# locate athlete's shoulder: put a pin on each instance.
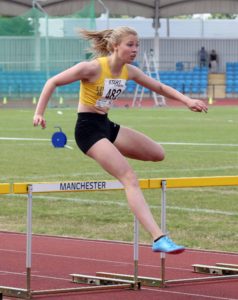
(89, 68)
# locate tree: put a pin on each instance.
(223, 16)
(15, 27)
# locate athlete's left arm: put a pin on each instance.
(154, 85)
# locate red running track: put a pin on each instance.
(54, 258)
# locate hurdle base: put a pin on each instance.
(215, 270)
(201, 279)
(15, 292)
(146, 281)
(80, 289)
(221, 271)
(225, 265)
(105, 281)
(95, 282)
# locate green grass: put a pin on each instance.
(204, 218)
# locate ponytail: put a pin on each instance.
(100, 41)
(103, 41)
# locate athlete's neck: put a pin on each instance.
(115, 65)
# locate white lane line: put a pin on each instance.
(32, 139)
(199, 144)
(22, 139)
(124, 204)
(124, 263)
(138, 171)
(115, 242)
(199, 296)
(163, 143)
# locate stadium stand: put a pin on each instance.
(188, 82)
(29, 83)
(231, 78)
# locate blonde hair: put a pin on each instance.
(103, 41)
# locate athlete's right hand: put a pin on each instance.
(39, 120)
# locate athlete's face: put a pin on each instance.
(128, 48)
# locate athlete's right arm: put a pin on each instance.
(81, 71)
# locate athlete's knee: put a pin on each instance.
(158, 155)
(129, 178)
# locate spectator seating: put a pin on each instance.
(188, 82)
(231, 78)
(29, 83)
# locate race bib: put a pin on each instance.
(112, 90)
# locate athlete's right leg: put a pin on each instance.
(112, 161)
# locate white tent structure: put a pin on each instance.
(145, 8)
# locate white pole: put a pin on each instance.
(47, 52)
(106, 12)
(29, 238)
(163, 228)
(156, 38)
(136, 249)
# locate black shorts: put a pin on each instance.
(92, 127)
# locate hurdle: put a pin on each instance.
(102, 280)
(5, 188)
(186, 182)
(94, 282)
(191, 182)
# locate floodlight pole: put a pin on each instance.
(106, 11)
(37, 39)
(156, 38)
(34, 5)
